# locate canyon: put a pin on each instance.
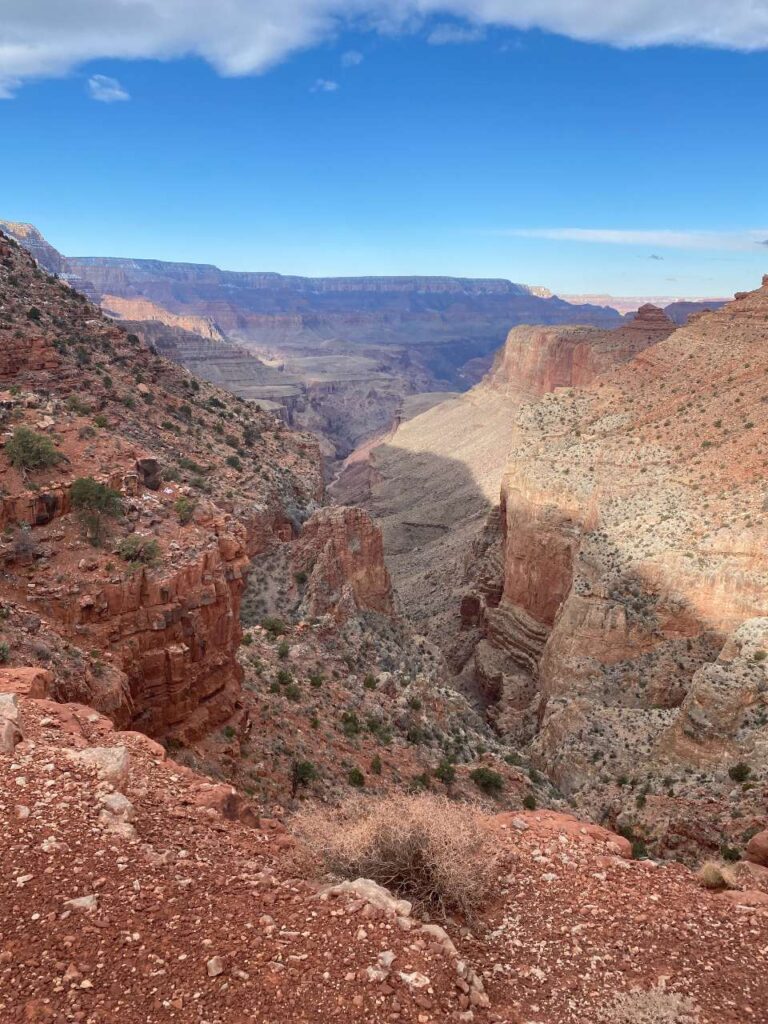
(582, 534)
(538, 603)
(336, 356)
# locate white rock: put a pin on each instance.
(414, 980)
(111, 763)
(88, 903)
(215, 967)
(372, 892)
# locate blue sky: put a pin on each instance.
(385, 153)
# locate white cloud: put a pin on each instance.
(49, 38)
(323, 85)
(351, 59)
(445, 34)
(735, 240)
(106, 89)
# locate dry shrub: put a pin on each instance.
(652, 1006)
(426, 849)
(716, 876)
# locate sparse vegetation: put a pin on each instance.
(438, 854)
(302, 773)
(96, 503)
(650, 1006)
(138, 549)
(28, 450)
(739, 772)
(185, 509)
(487, 780)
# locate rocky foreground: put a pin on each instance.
(133, 890)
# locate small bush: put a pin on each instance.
(711, 876)
(350, 723)
(283, 649)
(376, 765)
(445, 772)
(136, 548)
(438, 854)
(29, 450)
(34, 314)
(355, 778)
(5, 652)
(302, 773)
(369, 682)
(487, 780)
(275, 627)
(185, 509)
(95, 502)
(652, 1006)
(529, 802)
(740, 772)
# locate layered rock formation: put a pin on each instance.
(633, 541)
(537, 360)
(341, 353)
(431, 482)
(340, 552)
(627, 548)
(203, 484)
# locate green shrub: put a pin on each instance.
(355, 778)
(29, 450)
(445, 772)
(293, 693)
(34, 314)
(740, 772)
(5, 652)
(95, 502)
(234, 462)
(275, 627)
(350, 723)
(376, 765)
(283, 649)
(138, 549)
(529, 802)
(302, 773)
(284, 677)
(77, 405)
(369, 682)
(185, 509)
(487, 780)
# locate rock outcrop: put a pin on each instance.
(633, 542)
(537, 360)
(152, 603)
(341, 555)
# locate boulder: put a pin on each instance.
(371, 892)
(112, 764)
(27, 682)
(757, 848)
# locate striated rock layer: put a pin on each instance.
(633, 543)
(141, 622)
